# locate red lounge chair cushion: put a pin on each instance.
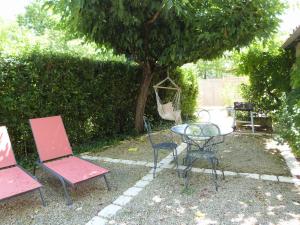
(7, 157)
(50, 137)
(74, 169)
(14, 181)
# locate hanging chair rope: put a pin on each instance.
(170, 110)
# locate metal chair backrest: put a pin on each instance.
(7, 157)
(201, 134)
(203, 115)
(147, 126)
(50, 138)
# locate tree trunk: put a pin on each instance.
(142, 98)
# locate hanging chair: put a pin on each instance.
(170, 110)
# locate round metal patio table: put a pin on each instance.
(205, 142)
(179, 129)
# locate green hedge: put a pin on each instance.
(95, 98)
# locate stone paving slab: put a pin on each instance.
(141, 163)
(109, 211)
(286, 179)
(197, 170)
(148, 177)
(158, 169)
(128, 162)
(269, 177)
(168, 166)
(122, 200)
(97, 221)
(250, 175)
(150, 164)
(230, 173)
(142, 183)
(133, 191)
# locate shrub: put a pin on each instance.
(187, 80)
(288, 117)
(268, 70)
(295, 74)
(95, 98)
(288, 120)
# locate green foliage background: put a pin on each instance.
(288, 116)
(295, 74)
(189, 86)
(274, 88)
(268, 68)
(95, 98)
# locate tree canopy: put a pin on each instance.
(37, 18)
(171, 32)
(168, 33)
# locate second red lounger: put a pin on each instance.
(56, 154)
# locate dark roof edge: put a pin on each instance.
(294, 37)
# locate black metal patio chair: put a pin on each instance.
(203, 115)
(201, 140)
(169, 145)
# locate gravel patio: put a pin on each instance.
(258, 189)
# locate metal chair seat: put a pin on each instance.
(202, 154)
(165, 146)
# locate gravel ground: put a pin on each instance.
(238, 201)
(248, 154)
(143, 152)
(88, 199)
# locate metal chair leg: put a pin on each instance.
(107, 183)
(186, 171)
(155, 162)
(34, 169)
(252, 121)
(214, 173)
(184, 160)
(186, 179)
(222, 170)
(42, 197)
(69, 201)
(176, 161)
(215, 168)
(223, 175)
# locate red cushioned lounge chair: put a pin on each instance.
(13, 179)
(56, 156)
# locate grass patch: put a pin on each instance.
(187, 191)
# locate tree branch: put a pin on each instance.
(154, 18)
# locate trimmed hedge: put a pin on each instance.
(95, 98)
